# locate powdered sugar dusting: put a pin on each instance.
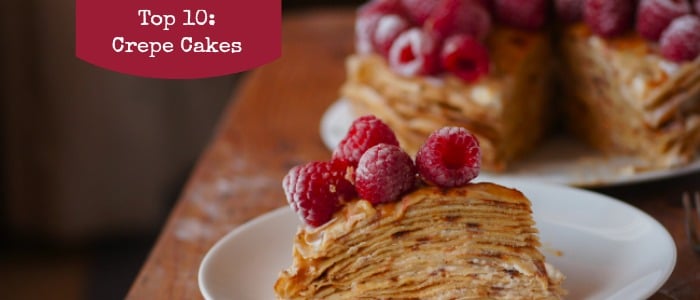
(246, 183)
(192, 230)
(673, 5)
(687, 24)
(388, 26)
(668, 66)
(207, 197)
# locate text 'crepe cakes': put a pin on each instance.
(476, 241)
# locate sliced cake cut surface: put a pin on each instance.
(477, 241)
(623, 97)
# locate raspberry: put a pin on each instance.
(653, 16)
(569, 10)
(368, 16)
(419, 10)
(463, 56)
(608, 18)
(364, 132)
(681, 39)
(530, 14)
(387, 29)
(696, 7)
(365, 26)
(316, 191)
(385, 172)
(449, 157)
(414, 52)
(459, 16)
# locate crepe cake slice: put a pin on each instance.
(477, 241)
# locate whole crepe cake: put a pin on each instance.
(379, 225)
(629, 72)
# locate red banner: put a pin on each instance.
(181, 39)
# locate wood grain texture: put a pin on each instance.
(272, 124)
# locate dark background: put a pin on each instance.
(91, 161)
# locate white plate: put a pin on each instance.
(561, 160)
(607, 249)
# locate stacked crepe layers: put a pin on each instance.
(473, 242)
(508, 110)
(625, 98)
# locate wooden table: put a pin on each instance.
(272, 124)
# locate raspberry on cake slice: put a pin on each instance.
(364, 132)
(653, 16)
(608, 18)
(680, 40)
(464, 57)
(316, 191)
(459, 17)
(449, 157)
(385, 172)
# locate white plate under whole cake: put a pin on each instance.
(561, 160)
(607, 249)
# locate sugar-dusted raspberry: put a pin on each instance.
(696, 6)
(368, 16)
(316, 190)
(681, 39)
(450, 157)
(463, 56)
(419, 10)
(653, 16)
(364, 132)
(387, 30)
(365, 25)
(459, 17)
(608, 18)
(414, 52)
(569, 10)
(530, 14)
(385, 172)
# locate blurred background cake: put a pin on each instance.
(629, 72)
